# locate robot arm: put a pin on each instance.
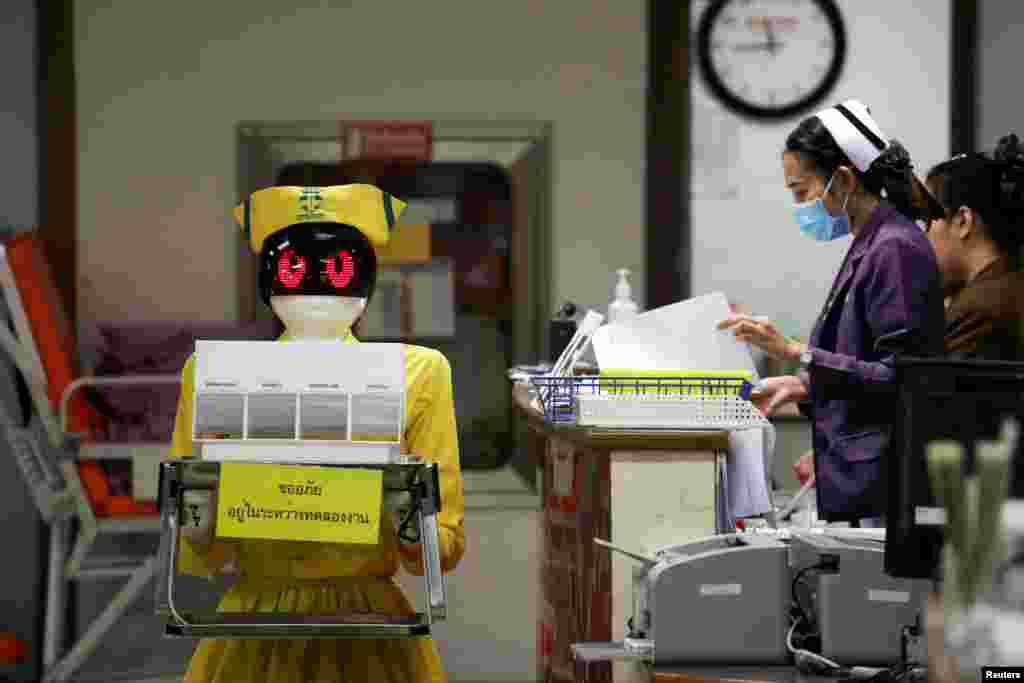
(431, 434)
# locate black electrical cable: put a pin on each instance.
(904, 672)
(807, 615)
(406, 525)
(406, 531)
(894, 674)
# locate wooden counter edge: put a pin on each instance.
(619, 439)
(679, 677)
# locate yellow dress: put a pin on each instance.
(300, 577)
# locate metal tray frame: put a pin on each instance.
(409, 481)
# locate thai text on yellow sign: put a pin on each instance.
(299, 503)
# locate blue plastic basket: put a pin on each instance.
(559, 396)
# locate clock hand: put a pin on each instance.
(751, 47)
(773, 44)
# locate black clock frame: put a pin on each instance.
(754, 111)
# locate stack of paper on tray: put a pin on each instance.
(684, 336)
(680, 336)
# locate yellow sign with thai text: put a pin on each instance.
(299, 503)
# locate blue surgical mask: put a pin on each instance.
(817, 223)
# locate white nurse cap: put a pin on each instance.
(856, 133)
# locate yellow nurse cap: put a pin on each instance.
(365, 207)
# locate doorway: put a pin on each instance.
(482, 299)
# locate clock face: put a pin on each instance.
(771, 58)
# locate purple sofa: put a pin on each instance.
(146, 414)
(151, 348)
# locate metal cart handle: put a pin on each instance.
(429, 506)
(297, 626)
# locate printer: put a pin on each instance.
(858, 611)
(730, 599)
(721, 599)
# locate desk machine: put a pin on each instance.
(722, 599)
(843, 594)
(740, 598)
(312, 409)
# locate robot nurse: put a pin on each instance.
(318, 265)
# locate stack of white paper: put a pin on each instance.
(681, 336)
(684, 336)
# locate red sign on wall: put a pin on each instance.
(387, 140)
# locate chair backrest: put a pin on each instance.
(151, 347)
(24, 437)
(43, 329)
(42, 325)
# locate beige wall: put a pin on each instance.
(162, 86)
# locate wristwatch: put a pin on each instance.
(806, 359)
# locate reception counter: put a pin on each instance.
(732, 674)
(639, 490)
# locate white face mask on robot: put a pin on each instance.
(317, 316)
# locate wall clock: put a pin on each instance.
(771, 59)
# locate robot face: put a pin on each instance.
(322, 259)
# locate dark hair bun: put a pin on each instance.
(890, 177)
(1008, 150)
(1009, 155)
(894, 159)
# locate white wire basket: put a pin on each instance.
(697, 412)
(697, 403)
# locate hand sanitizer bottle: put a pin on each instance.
(622, 307)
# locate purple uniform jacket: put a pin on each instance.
(885, 301)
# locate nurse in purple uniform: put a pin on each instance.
(885, 301)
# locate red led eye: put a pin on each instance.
(291, 268)
(340, 269)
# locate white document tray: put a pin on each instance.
(681, 412)
(313, 402)
(300, 452)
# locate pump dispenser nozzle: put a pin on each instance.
(622, 288)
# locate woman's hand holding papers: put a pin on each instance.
(762, 333)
